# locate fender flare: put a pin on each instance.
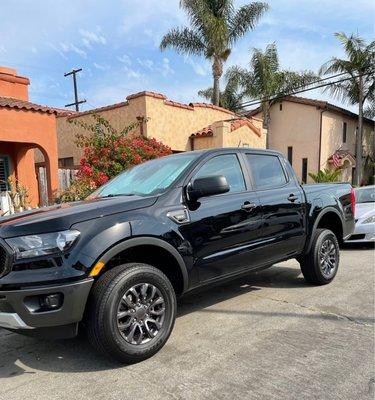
(146, 240)
(318, 219)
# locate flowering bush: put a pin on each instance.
(106, 153)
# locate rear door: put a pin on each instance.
(223, 228)
(282, 204)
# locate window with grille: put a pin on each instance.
(4, 174)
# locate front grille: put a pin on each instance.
(357, 237)
(5, 258)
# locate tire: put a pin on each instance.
(317, 267)
(113, 295)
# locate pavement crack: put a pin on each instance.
(314, 309)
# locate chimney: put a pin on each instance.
(12, 85)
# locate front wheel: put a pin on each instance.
(320, 265)
(131, 312)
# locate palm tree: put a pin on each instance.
(360, 67)
(215, 27)
(369, 111)
(326, 175)
(230, 97)
(265, 80)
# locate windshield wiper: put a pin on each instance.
(117, 195)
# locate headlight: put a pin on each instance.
(43, 244)
(369, 220)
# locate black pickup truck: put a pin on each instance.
(115, 263)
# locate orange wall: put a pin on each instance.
(26, 130)
(12, 85)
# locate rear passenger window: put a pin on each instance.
(267, 171)
(226, 165)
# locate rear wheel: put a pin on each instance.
(131, 313)
(320, 265)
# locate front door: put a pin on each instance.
(223, 228)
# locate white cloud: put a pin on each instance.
(102, 67)
(70, 47)
(201, 69)
(89, 38)
(125, 59)
(147, 63)
(165, 68)
(2, 48)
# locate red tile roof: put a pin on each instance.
(212, 106)
(205, 132)
(97, 110)
(146, 93)
(234, 124)
(324, 105)
(10, 102)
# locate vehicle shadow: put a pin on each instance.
(358, 246)
(23, 355)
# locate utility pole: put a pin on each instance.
(76, 101)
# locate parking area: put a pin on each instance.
(267, 335)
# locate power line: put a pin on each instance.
(281, 96)
(304, 86)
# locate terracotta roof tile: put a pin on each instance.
(99, 109)
(205, 132)
(177, 104)
(212, 106)
(234, 124)
(238, 123)
(315, 103)
(146, 93)
(10, 102)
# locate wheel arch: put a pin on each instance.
(150, 250)
(330, 219)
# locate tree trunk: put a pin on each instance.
(359, 140)
(217, 71)
(266, 122)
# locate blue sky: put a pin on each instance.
(116, 43)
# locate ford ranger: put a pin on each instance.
(115, 263)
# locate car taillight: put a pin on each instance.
(352, 201)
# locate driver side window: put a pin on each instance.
(228, 166)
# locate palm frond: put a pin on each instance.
(246, 18)
(206, 93)
(183, 40)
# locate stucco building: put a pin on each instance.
(315, 135)
(181, 126)
(24, 127)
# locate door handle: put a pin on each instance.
(292, 198)
(247, 206)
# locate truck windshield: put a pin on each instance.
(150, 178)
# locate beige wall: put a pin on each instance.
(173, 124)
(119, 117)
(170, 122)
(296, 125)
(332, 138)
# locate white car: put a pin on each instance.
(364, 216)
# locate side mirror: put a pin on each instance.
(207, 186)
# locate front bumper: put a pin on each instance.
(19, 308)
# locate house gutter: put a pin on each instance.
(320, 136)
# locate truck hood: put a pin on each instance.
(63, 216)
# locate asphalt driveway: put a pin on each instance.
(264, 336)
